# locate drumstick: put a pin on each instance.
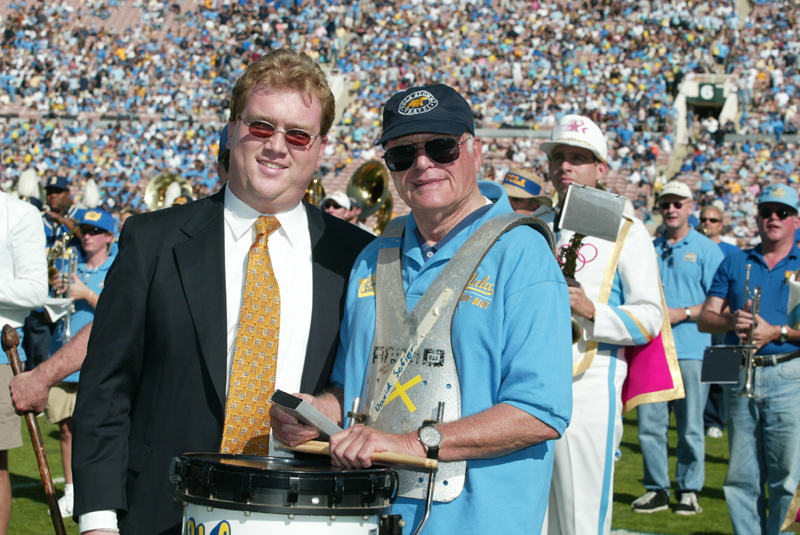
(10, 342)
(323, 448)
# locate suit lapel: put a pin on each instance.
(324, 309)
(201, 267)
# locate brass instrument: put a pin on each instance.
(58, 250)
(71, 259)
(155, 194)
(747, 388)
(315, 191)
(370, 185)
(568, 259)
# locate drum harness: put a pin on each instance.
(413, 353)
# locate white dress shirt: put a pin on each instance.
(290, 254)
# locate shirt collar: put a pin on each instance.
(240, 218)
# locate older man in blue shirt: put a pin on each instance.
(687, 261)
(763, 431)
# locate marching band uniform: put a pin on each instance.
(507, 349)
(629, 313)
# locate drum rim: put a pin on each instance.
(377, 484)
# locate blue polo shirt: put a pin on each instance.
(729, 284)
(687, 271)
(727, 248)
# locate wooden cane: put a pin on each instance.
(10, 342)
(323, 448)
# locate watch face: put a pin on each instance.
(430, 436)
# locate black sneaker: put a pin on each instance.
(654, 500)
(688, 504)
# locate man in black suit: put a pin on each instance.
(154, 382)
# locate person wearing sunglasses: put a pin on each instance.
(687, 262)
(166, 347)
(509, 334)
(711, 224)
(764, 431)
(627, 313)
(337, 204)
(96, 231)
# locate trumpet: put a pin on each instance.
(747, 388)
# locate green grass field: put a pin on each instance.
(29, 512)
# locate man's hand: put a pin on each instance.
(289, 430)
(578, 302)
(763, 334)
(29, 392)
(676, 315)
(353, 447)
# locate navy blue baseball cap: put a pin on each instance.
(436, 109)
(57, 182)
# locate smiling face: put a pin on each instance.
(436, 190)
(570, 164)
(270, 175)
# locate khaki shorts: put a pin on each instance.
(10, 426)
(61, 403)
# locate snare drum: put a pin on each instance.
(248, 495)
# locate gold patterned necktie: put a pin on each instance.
(255, 358)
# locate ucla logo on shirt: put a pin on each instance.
(690, 257)
(417, 102)
(483, 287)
(366, 287)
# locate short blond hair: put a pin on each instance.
(282, 70)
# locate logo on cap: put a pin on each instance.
(417, 102)
(778, 192)
(93, 216)
(575, 126)
(516, 180)
(54, 180)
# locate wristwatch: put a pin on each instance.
(688, 312)
(430, 438)
(784, 337)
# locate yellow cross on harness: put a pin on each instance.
(400, 390)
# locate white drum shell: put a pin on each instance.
(210, 521)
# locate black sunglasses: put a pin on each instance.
(265, 130)
(709, 219)
(91, 231)
(440, 150)
(782, 213)
(677, 204)
(331, 204)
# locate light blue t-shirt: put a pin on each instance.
(511, 340)
(95, 279)
(687, 270)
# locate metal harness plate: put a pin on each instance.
(412, 367)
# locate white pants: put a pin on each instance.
(582, 490)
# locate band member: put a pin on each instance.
(23, 287)
(512, 358)
(524, 190)
(59, 220)
(96, 236)
(763, 431)
(171, 337)
(627, 313)
(687, 262)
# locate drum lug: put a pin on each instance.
(247, 513)
(294, 489)
(333, 517)
(391, 525)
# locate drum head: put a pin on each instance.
(281, 486)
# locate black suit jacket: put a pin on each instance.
(153, 382)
